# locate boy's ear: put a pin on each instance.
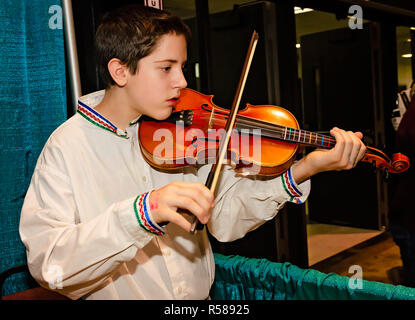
(118, 71)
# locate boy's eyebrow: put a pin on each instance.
(169, 60)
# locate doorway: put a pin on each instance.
(336, 75)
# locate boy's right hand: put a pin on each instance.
(194, 197)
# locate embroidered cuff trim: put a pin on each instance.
(143, 215)
(290, 187)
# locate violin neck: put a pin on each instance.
(307, 138)
(298, 136)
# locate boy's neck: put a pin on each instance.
(114, 108)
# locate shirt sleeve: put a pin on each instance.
(70, 256)
(245, 203)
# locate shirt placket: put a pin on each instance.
(144, 175)
(171, 258)
(175, 270)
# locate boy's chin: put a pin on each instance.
(162, 116)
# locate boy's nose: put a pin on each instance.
(181, 81)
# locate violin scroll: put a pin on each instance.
(400, 162)
(379, 160)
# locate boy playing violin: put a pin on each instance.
(99, 222)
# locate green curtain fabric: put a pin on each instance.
(240, 278)
(32, 105)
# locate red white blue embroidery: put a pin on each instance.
(143, 215)
(94, 117)
(290, 187)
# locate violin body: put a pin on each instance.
(197, 143)
(264, 141)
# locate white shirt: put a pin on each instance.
(81, 232)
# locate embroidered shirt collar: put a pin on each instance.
(86, 105)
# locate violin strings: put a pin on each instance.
(251, 121)
(281, 131)
(261, 123)
(238, 116)
(293, 133)
(304, 139)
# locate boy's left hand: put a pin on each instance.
(347, 152)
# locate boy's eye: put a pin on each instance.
(166, 69)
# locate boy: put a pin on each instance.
(99, 223)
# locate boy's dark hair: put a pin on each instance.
(131, 33)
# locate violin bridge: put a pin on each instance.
(211, 118)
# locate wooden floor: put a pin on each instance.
(379, 258)
(326, 240)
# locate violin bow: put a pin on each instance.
(215, 170)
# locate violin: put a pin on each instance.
(264, 141)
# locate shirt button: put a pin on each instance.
(144, 179)
(179, 290)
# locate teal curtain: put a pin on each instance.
(239, 278)
(32, 105)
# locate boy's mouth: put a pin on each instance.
(172, 101)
